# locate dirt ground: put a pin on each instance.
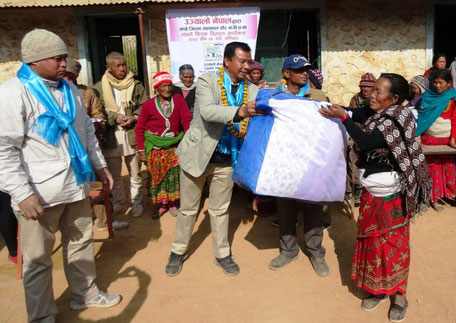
(133, 264)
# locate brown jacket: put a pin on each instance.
(93, 105)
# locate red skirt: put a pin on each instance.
(382, 252)
(442, 170)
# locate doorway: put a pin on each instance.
(114, 35)
(444, 39)
(285, 32)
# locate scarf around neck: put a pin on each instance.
(229, 144)
(398, 128)
(51, 124)
(302, 91)
(432, 106)
(125, 86)
(182, 86)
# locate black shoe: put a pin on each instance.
(174, 265)
(276, 221)
(228, 265)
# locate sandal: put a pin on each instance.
(398, 313)
(437, 206)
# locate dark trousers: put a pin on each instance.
(8, 224)
(313, 228)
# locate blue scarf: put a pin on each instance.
(432, 106)
(229, 144)
(301, 92)
(51, 124)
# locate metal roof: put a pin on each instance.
(68, 3)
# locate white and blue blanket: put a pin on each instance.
(293, 151)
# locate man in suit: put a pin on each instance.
(205, 155)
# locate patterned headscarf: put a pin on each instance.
(398, 128)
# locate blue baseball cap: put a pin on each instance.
(295, 62)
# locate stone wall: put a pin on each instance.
(15, 23)
(372, 36)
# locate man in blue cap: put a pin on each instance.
(295, 82)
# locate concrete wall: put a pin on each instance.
(372, 36)
(362, 36)
(15, 23)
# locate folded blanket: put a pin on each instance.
(293, 151)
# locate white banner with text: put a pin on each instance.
(198, 36)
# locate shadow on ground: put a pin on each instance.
(343, 232)
(110, 261)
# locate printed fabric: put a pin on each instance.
(382, 251)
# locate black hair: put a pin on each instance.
(230, 49)
(437, 56)
(399, 86)
(444, 74)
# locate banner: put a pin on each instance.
(198, 36)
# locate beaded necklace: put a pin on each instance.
(243, 124)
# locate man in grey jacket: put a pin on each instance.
(205, 155)
(48, 149)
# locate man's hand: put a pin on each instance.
(250, 110)
(31, 208)
(121, 119)
(129, 122)
(106, 178)
(452, 142)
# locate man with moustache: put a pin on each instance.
(295, 82)
(48, 151)
(207, 151)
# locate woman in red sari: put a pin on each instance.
(437, 126)
(395, 182)
(161, 125)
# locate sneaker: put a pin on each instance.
(228, 265)
(174, 265)
(398, 313)
(137, 210)
(372, 301)
(281, 261)
(320, 266)
(119, 225)
(101, 300)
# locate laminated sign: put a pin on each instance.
(293, 151)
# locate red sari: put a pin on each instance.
(442, 168)
(382, 252)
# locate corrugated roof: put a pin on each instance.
(68, 3)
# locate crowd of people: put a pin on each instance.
(57, 136)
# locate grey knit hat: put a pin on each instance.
(422, 83)
(40, 44)
(73, 66)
